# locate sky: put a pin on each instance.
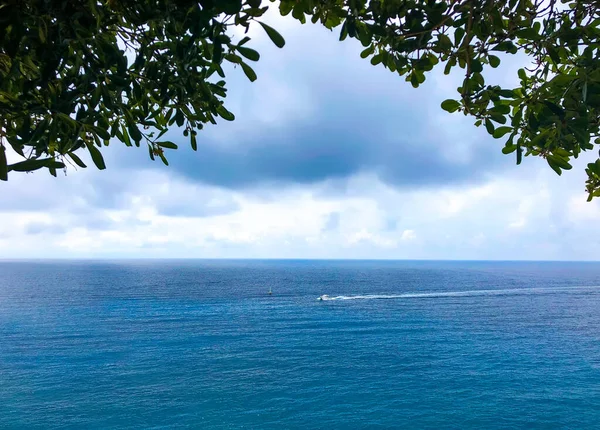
(329, 157)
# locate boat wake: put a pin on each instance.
(470, 293)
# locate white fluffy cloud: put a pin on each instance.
(510, 217)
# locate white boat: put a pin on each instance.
(270, 292)
(323, 297)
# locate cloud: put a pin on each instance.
(408, 235)
(318, 112)
(35, 228)
(332, 223)
(329, 158)
(468, 222)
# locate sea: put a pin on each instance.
(395, 344)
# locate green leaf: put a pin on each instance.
(509, 94)
(414, 79)
(3, 164)
(233, 58)
(126, 138)
(444, 41)
(150, 152)
(561, 152)
(494, 61)
(167, 144)
(528, 33)
(250, 54)
(298, 13)
(42, 33)
(35, 164)
(450, 105)
(553, 54)
(506, 46)
(556, 109)
(285, 7)
(104, 134)
(224, 113)
(500, 109)
(249, 72)
(539, 139)
(476, 66)
(508, 149)
(230, 7)
(560, 162)
(501, 131)
(217, 52)
(193, 141)
(344, 31)
(134, 132)
(179, 118)
(498, 118)
(448, 68)
(163, 158)
(96, 156)
(489, 126)
(458, 35)
(275, 37)
(367, 51)
(29, 165)
(77, 160)
(552, 163)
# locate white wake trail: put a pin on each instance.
(469, 293)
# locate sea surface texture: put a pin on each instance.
(200, 344)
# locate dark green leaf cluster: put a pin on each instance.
(554, 113)
(75, 74)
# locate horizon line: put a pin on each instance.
(116, 258)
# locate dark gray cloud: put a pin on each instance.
(301, 155)
(360, 119)
(339, 141)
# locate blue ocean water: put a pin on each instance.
(151, 344)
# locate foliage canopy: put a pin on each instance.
(75, 74)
